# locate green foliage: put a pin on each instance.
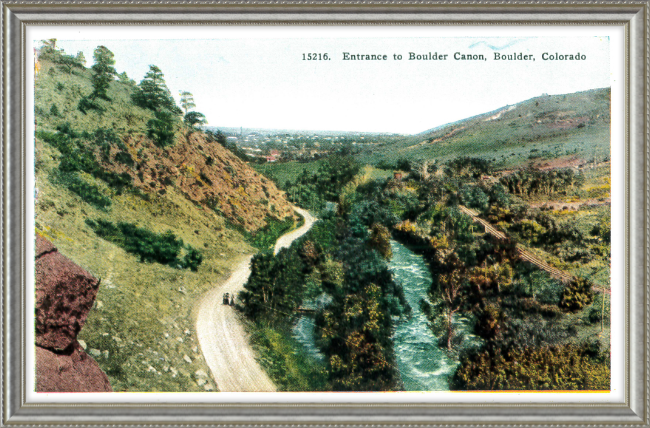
(603, 229)
(218, 137)
(530, 230)
(86, 104)
(151, 247)
(161, 129)
(403, 164)
(355, 328)
(66, 62)
(103, 72)
(88, 192)
(532, 181)
(124, 78)
(312, 190)
(545, 289)
(194, 118)
(577, 294)
(78, 155)
(595, 312)
(562, 368)
(265, 237)
(286, 361)
(152, 93)
(275, 287)
(54, 110)
(187, 101)
(474, 197)
(380, 240)
(468, 167)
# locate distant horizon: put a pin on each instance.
(265, 80)
(334, 131)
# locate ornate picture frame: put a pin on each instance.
(122, 409)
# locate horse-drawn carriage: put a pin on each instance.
(229, 299)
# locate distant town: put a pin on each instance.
(284, 145)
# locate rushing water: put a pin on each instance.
(303, 332)
(423, 365)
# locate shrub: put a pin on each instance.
(474, 197)
(265, 237)
(380, 240)
(403, 164)
(88, 192)
(577, 294)
(565, 367)
(192, 259)
(86, 104)
(78, 156)
(161, 129)
(125, 158)
(151, 247)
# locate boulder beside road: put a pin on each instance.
(64, 295)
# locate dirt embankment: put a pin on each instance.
(207, 174)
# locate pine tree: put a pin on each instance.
(187, 101)
(104, 72)
(153, 93)
(81, 59)
(194, 118)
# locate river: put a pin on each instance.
(422, 364)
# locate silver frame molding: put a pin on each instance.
(18, 14)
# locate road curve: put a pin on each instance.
(224, 343)
(285, 240)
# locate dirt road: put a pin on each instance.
(223, 341)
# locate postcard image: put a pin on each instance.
(323, 213)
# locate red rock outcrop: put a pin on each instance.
(74, 371)
(64, 295)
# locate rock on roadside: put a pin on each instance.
(64, 295)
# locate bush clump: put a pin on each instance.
(88, 192)
(78, 155)
(566, 367)
(577, 294)
(152, 247)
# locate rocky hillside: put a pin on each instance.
(206, 173)
(115, 135)
(157, 224)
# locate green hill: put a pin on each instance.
(547, 127)
(157, 224)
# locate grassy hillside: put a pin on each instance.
(557, 126)
(98, 173)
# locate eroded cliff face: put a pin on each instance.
(64, 295)
(208, 174)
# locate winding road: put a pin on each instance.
(223, 340)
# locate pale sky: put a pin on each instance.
(262, 81)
